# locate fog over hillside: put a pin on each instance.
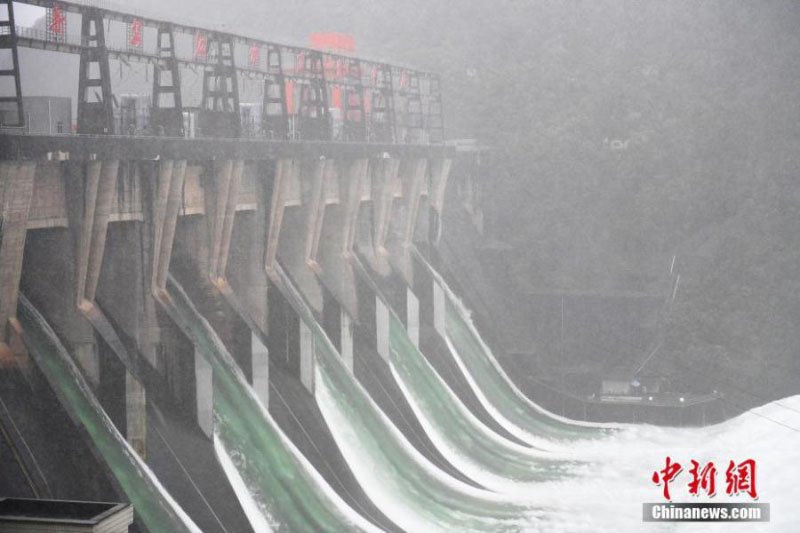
(625, 133)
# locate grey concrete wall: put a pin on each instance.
(204, 390)
(18, 179)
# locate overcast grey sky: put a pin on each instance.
(26, 15)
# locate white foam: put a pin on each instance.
(256, 515)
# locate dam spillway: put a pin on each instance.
(435, 449)
(278, 327)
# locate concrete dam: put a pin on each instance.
(258, 327)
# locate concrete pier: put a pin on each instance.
(93, 233)
(412, 317)
(15, 200)
(97, 224)
(346, 348)
(260, 369)
(204, 393)
(382, 328)
(171, 176)
(135, 414)
(387, 187)
(307, 357)
(285, 192)
(323, 176)
(439, 308)
(356, 188)
(415, 184)
(100, 185)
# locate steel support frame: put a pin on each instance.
(8, 41)
(355, 125)
(413, 120)
(220, 111)
(314, 121)
(393, 109)
(382, 119)
(275, 114)
(434, 119)
(167, 119)
(94, 117)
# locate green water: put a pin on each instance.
(403, 484)
(153, 505)
(470, 446)
(498, 394)
(289, 492)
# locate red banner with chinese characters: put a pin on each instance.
(135, 39)
(200, 46)
(57, 23)
(254, 57)
(290, 97)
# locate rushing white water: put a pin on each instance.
(409, 489)
(280, 490)
(603, 492)
(256, 515)
(289, 493)
(496, 392)
(482, 454)
(606, 492)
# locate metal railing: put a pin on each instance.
(416, 105)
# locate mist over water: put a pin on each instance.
(609, 487)
(607, 484)
(600, 480)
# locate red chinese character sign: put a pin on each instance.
(289, 87)
(200, 46)
(56, 24)
(135, 37)
(254, 57)
(334, 68)
(336, 97)
(340, 43)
